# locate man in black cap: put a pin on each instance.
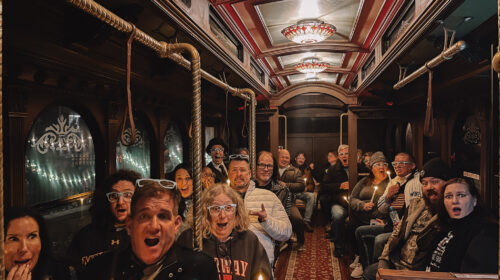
(216, 148)
(412, 239)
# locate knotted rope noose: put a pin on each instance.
(128, 111)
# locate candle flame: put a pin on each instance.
(305, 179)
(228, 182)
(345, 197)
(375, 187)
(260, 277)
(388, 173)
(81, 201)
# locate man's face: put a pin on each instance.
(239, 175)
(121, 207)
(332, 158)
(153, 228)
(264, 168)
(344, 156)
(217, 154)
(432, 189)
(402, 165)
(300, 159)
(283, 158)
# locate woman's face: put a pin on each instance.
(22, 243)
(222, 223)
(458, 201)
(184, 182)
(300, 159)
(332, 159)
(379, 170)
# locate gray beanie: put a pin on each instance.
(377, 157)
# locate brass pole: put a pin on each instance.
(445, 55)
(168, 50)
(2, 237)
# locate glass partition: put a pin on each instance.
(173, 153)
(136, 157)
(60, 158)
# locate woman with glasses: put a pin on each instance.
(364, 211)
(110, 208)
(469, 234)
(224, 225)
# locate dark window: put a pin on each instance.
(367, 67)
(136, 156)
(354, 83)
(225, 36)
(173, 153)
(272, 87)
(314, 125)
(257, 71)
(399, 25)
(60, 158)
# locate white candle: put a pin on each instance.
(228, 182)
(345, 197)
(390, 179)
(374, 191)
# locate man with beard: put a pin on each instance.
(216, 148)
(268, 219)
(153, 253)
(110, 208)
(413, 238)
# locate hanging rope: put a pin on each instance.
(226, 131)
(128, 111)
(244, 128)
(429, 115)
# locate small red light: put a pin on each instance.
(389, 103)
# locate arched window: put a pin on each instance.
(136, 157)
(60, 158)
(173, 153)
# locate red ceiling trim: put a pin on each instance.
(258, 23)
(375, 33)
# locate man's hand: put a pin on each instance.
(393, 190)
(368, 206)
(344, 186)
(311, 165)
(262, 214)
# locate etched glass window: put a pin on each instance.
(173, 153)
(137, 156)
(60, 158)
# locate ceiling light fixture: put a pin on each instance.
(309, 31)
(311, 65)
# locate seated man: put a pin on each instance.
(268, 219)
(153, 254)
(413, 238)
(216, 148)
(307, 195)
(110, 208)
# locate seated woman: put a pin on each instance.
(364, 211)
(224, 224)
(469, 239)
(27, 248)
(184, 182)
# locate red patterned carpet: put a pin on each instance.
(316, 262)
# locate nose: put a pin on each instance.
(154, 225)
(455, 199)
(120, 199)
(24, 247)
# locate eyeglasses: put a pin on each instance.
(398, 163)
(239, 157)
(264, 166)
(343, 154)
(217, 149)
(115, 196)
(167, 184)
(432, 182)
(380, 164)
(216, 209)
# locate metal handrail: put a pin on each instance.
(171, 51)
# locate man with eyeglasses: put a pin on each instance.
(109, 211)
(153, 252)
(413, 238)
(216, 148)
(268, 219)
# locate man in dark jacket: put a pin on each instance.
(153, 253)
(291, 177)
(216, 148)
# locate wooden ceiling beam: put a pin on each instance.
(325, 46)
(332, 69)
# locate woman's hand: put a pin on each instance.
(20, 272)
(368, 206)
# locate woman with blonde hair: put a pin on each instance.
(224, 225)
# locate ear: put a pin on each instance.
(177, 222)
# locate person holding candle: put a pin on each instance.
(363, 206)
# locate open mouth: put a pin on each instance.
(456, 211)
(150, 242)
(21, 262)
(221, 225)
(120, 210)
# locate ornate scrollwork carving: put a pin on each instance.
(59, 137)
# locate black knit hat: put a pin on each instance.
(215, 141)
(435, 168)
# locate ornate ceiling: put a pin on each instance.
(359, 25)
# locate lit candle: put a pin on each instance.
(345, 197)
(390, 179)
(228, 182)
(374, 191)
(81, 207)
(260, 277)
(305, 180)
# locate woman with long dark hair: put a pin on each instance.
(469, 234)
(27, 251)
